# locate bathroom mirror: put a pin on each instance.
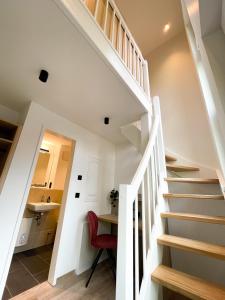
(41, 171)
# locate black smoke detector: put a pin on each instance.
(43, 77)
(106, 120)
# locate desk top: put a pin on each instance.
(113, 219)
(109, 218)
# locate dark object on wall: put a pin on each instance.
(77, 195)
(114, 196)
(106, 120)
(79, 177)
(43, 77)
(7, 135)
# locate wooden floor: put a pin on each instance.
(72, 287)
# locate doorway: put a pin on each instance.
(34, 246)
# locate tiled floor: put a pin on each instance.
(27, 269)
(72, 287)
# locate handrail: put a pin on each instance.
(138, 204)
(110, 21)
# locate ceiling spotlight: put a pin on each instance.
(166, 27)
(43, 77)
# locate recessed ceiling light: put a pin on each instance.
(166, 28)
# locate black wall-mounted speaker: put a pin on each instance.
(106, 120)
(43, 77)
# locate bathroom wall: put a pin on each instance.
(62, 167)
(44, 233)
(61, 148)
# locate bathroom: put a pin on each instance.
(34, 246)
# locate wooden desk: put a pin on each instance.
(113, 219)
(109, 218)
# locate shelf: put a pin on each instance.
(2, 140)
(7, 130)
(7, 134)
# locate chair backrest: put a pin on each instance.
(93, 225)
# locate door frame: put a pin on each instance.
(52, 277)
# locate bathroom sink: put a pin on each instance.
(42, 206)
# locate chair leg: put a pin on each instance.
(113, 261)
(94, 265)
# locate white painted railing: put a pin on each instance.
(112, 24)
(137, 214)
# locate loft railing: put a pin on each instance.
(112, 24)
(137, 215)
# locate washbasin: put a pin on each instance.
(42, 206)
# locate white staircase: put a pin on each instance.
(142, 220)
(145, 261)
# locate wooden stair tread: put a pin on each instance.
(170, 158)
(193, 196)
(181, 168)
(193, 180)
(187, 285)
(194, 217)
(208, 249)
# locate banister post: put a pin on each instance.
(124, 278)
(146, 124)
(157, 110)
(146, 80)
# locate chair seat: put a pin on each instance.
(106, 241)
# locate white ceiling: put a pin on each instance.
(81, 87)
(146, 19)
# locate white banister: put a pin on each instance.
(119, 39)
(136, 250)
(106, 15)
(125, 250)
(135, 223)
(146, 79)
(135, 64)
(96, 9)
(143, 225)
(112, 37)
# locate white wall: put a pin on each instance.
(185, 125)
(209, 86)
(93, 156)
(215, 48)
(210, 15)
(223, 16)
(127, 160)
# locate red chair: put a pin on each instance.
(101, 242)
